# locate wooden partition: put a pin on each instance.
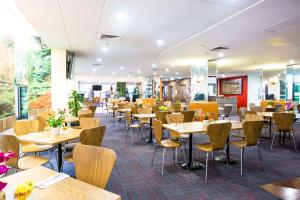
(211, 107)
(265, 103)
(7, 123)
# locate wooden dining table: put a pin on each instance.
(150, 116)
(49, 138)
(198, 128)
(68, 188)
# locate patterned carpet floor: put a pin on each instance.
(133, 176)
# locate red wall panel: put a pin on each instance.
(241, 98)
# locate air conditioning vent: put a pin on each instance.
(219, 48)
(107, 36)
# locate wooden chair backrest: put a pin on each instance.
(257, 109)
(89, 115)
(10, 143)
(134, 109)
(144, 110)
(84, 111)
(252, 131)
(158, 130)
(250, 112)
(92, 136)
(284, 121)
(188, 115)
(89, 122)
(254, 117)
(93, 165)
(218, 134)
(92, 108)
(174, 118)
(161, 115)
(23, 127)
(128, 119)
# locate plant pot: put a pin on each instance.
(56, 130)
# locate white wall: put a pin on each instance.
(255, 87)
(59, 83)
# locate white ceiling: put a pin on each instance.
(189, 28)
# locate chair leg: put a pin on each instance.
(206, 166)
(183, 150)
(242, 155)
(176, 155)
(131, 135)
(294, 141)
(274, 134)
(163, 163)
(260, 158)
(154, 155)
(227, 162)
(141, 132)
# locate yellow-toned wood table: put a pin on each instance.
(70, 119)
(68, 188)
(198, 128)
(50, 138)
(150, 116)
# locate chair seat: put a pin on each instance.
(168, 143)
(135, 126)
(32, 147)
(205, 147)
(28, 162)
(69, 157)
(239, 144)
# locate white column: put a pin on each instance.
(255, 87)
(59, 82)
(199, 79)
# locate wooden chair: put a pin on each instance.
(254, 117)
(94, 165)
(218, 135)
(241, 113)
(257, 109)
(165, 144)
(42, 118)
(144, 121)
(92, 137)
(85, 111)
(24, 127)
(10, 143)
(227, 111)
(93, 108)
(252, 131)
(89, 122)
(188, 115)
(176, 118)
(161, 115)
(131, 126)
(284, 124)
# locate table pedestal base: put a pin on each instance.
(195, 166)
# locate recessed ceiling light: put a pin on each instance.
(167, 70)
(121, 68)
(153, 65)
(172, 79)
(223, 75)
(104, 49)
(161, 76)
(179, 77)
(292, 61)
(121, 17)
(114, 73)
(173, 65)
(94, 69)
(159, 42)
(221, 55)
(99, 60)
(154, 73)
(176, 73)
(278, 74)
(138, 71)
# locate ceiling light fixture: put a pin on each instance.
(138, 71)
(104, 49)
(99, 60)
(154, 73)
(172, 79)
(161, 76)
(176, 73)
(153, 65)
(114, 73)
(173, 65)
(159, 42)
(179, 77)
(167, 70)
(223, 75)
(121, 68)
(94, 69)
(221, 54)
(292, 61)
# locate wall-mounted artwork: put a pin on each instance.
(233, 86)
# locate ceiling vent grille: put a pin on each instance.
(107, 36)
(219, 49)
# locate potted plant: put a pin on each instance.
(75, 103)
(56, 123)
(206, 117)
(270, 105)
(163, 108)
(177, 106)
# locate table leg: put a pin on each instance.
(59, 160)
(150, 140)
(192, 165)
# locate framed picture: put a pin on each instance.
(233, 86)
